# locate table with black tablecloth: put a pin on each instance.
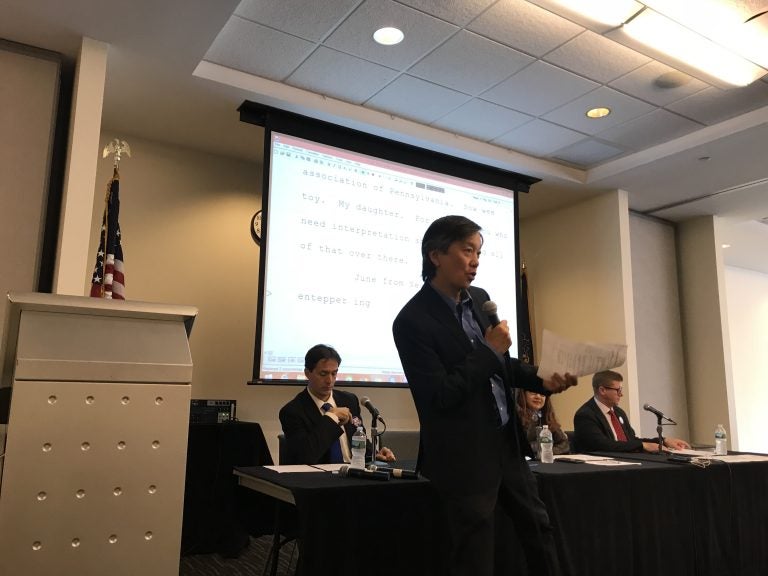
(219, 514)
(651, 518)
(352, 525)
(657, 518)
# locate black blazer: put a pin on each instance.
(592, 433)
(309, 434)
(450, 383)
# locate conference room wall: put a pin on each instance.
(579, 270)
(747, 299)
(658, 332)
(28, 106)
(185, 219)
(705, 330)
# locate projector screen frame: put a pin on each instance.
(289, 123)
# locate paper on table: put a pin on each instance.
(586, 458)
(689, 452)
(560, 355)
(293, 468)
(741, 458)
(329, 467)
(613, 463)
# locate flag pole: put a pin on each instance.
(109, 258)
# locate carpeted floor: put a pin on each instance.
(250, 562)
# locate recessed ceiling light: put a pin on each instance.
(598, 112)
(726, 245)
(388, 36)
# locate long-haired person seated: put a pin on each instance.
(535, 411)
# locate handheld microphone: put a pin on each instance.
(347, 471)
(490, 310)
(396, 472)
(658, 413)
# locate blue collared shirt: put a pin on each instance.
(463, 313)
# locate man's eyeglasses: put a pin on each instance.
(619, 391)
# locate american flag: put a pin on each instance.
(108, 280)
(524, 333)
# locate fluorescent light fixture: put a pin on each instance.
(598, 112)
(388, 36)
(688, 48)
(722, 22)
(607, 12)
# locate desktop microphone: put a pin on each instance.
(658, 413)
(396, 472)
(365, 401)
(347, 470)
(490, 310)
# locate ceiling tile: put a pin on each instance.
(423, 34)
(648, 130)
(623, 108)
(470, 63)
(524, 26)
(539, 138)
(588, 153)
(538, 89)
(714, 105)
(416, 99)
(640, 84)
(256, 49)
(481, 120)
(308, 19)
(585, 55)
(456, 12)
(341, 76)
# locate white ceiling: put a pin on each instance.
(504, 82)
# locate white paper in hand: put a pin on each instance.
(560, 355)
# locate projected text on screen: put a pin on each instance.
(343, 242)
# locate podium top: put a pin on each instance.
(72, 329)
(39, 301)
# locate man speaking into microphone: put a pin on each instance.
(461, 377)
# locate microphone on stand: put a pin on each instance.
(366, 402)
(490, 310)
(658, 413)
(347, 471)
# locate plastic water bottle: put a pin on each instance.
(545, 441)
(358, 448)
(721, 441)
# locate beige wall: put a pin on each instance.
(185, 220)
(661, 373)
(29, 89)
(577, 259)
(705, 331)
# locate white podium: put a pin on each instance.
(92, 481)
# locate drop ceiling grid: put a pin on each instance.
(506, 62)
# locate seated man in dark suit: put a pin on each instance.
(319, 422)
(601, 426)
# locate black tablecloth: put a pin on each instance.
(219, 514)
(653, 518)
(658, 518)
(351, 525)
